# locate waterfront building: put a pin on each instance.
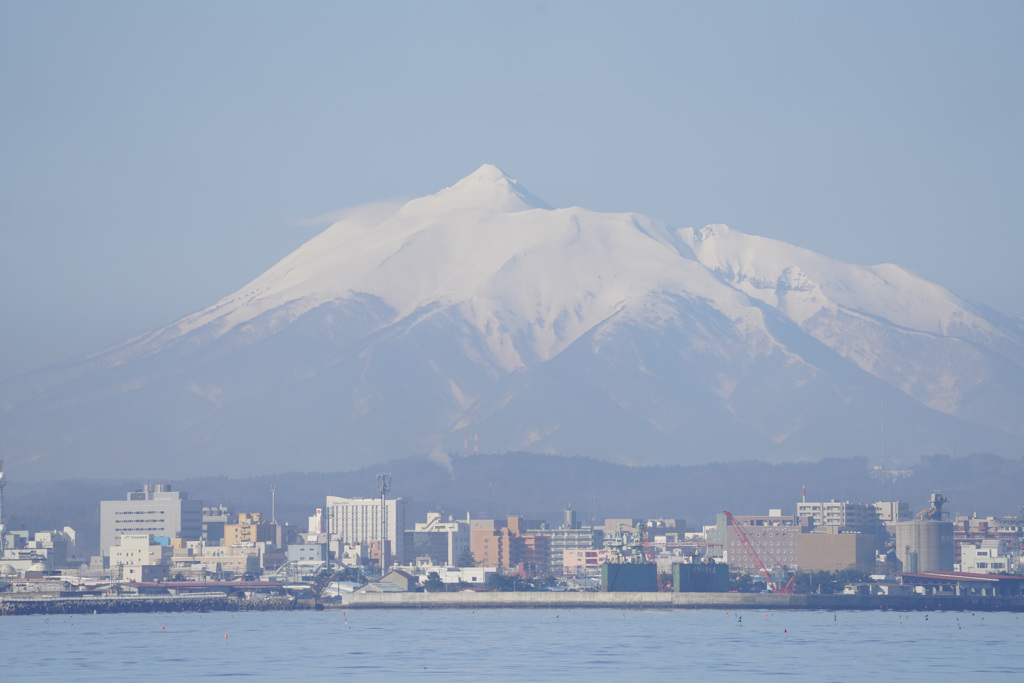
(155, 510)
(443, 542)
(971, 531)
(358, 520)
(136, 550)
(491, 544)
(307, 553)
(473, 576)
(403, 580)
(830, 549)
(223, 561)
(773, 538)
(990, 556)
(518, 545)
(54, 549)
(144, 572)
(580, 562)
(567, 539)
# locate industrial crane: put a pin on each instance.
(761, 569)
(643, 551)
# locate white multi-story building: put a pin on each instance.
(474, 576)
(890, 512)
(155, 510)
(444, 542)
(54, 549)
(136, 549)
(990, 556)
(842, 514)
(358, 520)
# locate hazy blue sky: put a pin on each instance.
(156, 156)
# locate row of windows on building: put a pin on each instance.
(120, 523)
(735, 543)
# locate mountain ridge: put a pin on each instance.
(561, 330)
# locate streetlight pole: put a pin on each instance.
(383, 485)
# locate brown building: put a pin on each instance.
(490, 544)
(515, 545)
(834, 551)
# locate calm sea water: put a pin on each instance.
(516, 645)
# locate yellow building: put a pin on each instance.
(250, 529)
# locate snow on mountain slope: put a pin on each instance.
(531, 279)
(559, 330)
(868, 314)
(802, 282)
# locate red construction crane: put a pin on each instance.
(761, 569)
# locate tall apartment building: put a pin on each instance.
(571, 536)
(155, 510)
(358, 520)
(491, 544)
(874, 519)
(843, 514)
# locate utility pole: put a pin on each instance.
(384, 485)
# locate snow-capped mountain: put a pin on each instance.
(482, 309)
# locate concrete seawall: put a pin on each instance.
(766, 601)
(109, 605)
(527, 600)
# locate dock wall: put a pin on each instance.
(109, 605)
(766, 601)
(525, 600)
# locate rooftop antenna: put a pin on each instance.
(383, 485)
(273, 504)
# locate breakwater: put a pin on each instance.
(765, 601)
(108, 605)
(526, 600)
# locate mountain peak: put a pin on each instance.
(573, 331)
(487, 187)
(488, 172)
